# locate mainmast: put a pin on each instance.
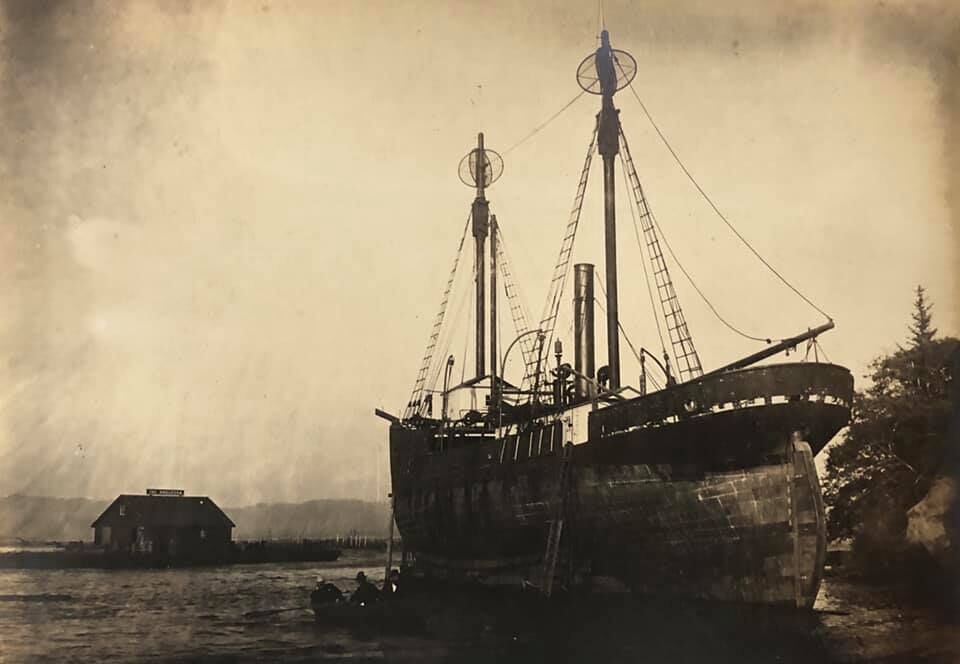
(603, 73)
(608, 144)
(479, 169)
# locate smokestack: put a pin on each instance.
(583, 334)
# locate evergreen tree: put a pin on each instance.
(898, 441)
(922, 330)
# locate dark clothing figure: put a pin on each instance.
(366, 592)
(605, 66)
(326, 593)
(392, 586)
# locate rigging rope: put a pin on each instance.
(676, 260)
(447, 344)
(414, 405)
(681, 341)
(619, 325)
(817, 347)
(537, 129)
(466, 341)
(656, 383)
(499, 356)
(646, 276)
(518, 310)
(560, 270)
(713, 205)
(697, 288)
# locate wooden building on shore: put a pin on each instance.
(164, 522)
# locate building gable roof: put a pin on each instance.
(164, 511)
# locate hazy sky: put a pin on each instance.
(225, 227)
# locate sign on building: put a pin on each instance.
(165, 492)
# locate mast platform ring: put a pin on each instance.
(625, 66)
(492, 167)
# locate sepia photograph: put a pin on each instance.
(501, 331)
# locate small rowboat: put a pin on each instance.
(392, 616)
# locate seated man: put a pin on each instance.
(391, 587)
(366, 592)
(325, 593)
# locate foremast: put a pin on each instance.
(478, 169)
(480, 213)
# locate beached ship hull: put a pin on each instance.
(705, 490)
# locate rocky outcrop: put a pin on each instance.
(931, 523)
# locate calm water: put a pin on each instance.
(258, 612)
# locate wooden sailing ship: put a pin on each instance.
(705, 488)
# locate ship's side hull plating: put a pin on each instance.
(753, 535)
(721, 507)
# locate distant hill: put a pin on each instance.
(40, 518)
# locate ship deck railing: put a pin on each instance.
(716, 393)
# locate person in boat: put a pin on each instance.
(391, 586)
(366, 592)
(325, 593)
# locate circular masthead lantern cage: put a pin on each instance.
(477, 161)
(624, 65)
